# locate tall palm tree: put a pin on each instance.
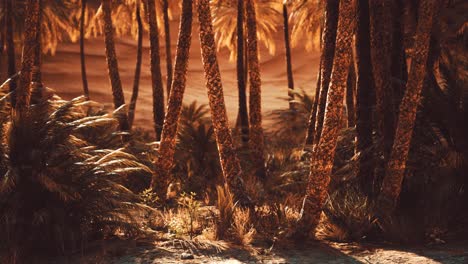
(391, 186)
(156, 77)
(36, 76)
(23, 91)
(167, 35)
(230, 163)
(241, 76)
(10, 46)
(167, 146)
(256, 140)
(364, 96)
(84, 77)
(287, 47)
(136, 80)
(112, 64)
(323, 156)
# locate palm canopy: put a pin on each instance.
(268, 18)
(306, 18)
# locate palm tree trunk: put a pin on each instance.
(256, 140)
(136, 80)
(241, 84)
(381, 42)
(167, 146)
(84, 78)
(23, 91)
(323, 156)
(112, 64)
(36, 76)
(364, 97)
(230, 163)
(158, 92)
(10, 48)
(167, 35)
(391, 186)
(350, 87)
(287, 47)
(328, 51)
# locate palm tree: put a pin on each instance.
(167, 35)
(287, 47)
(112, 63)
(391, 186)
(323, 156)
(167, 146)
(36, 76)
(364, 96)
(256, 139)
(350, 87)
(10, 46)
(23, 91)
(230, 163)
(156, 77)
(84, 78)
(136, 80)
(241, 76)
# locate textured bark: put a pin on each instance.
(364, 97)
(287, 46)
(84, 77)
(230, 163)
(112, 64)
(381, 42)
(391, 186)
(156, 77)
(10, 47)
(23, 91)
(256, 139)
(323, 156)
(328, 51)
(350, 88)
(167, 34)
(241, 83)
(136, 80)
(36, 75)
(167, 146)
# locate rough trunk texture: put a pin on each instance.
(350, 88)
(167, 34)
(10, 48)
(84, 77)
(136, 80)
(230, 163)
(36, 75)
(112, 64)
(328, 51)
(167, 146)
(391, 186)
(256, 139)
(287, 46)
(323, 156)
(381, 43)
(156, 77)
(364, 97)
(23, 91)
(241, 84)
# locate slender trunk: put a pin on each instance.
(381, 42)
(256, 140)
(36, 76)
(230, 163)
(23, 91)
(156, 78)
(350, 87)
(167, 35)
(287, 46)
(241, 85)
(328, 51)
(10, 48)
(165, 161)
(364, 97)
(84, 78)
(136, 80)
(112, 64)
(391, 186)
(323, 156)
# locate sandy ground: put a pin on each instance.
(62, 73)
